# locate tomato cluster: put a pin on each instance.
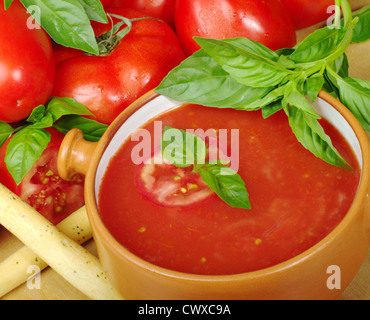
(33, 68)
(109, 84)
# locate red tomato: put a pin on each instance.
(264, 21)
(107, 85)
(42, 186)
(170, 186)
(62, 53)
(27, 65)
(162, 9)
(105, 2)
(307, 13)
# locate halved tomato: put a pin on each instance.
(169, 186)
(42, 187)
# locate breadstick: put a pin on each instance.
(73, 262)
(14, 268)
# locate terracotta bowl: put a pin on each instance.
(302, 277)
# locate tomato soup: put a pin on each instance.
(296, 198)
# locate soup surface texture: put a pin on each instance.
(296, 198)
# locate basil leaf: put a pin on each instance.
(295, 98)
(316, 46)
(245, 61)
(313, 86)
(254, 48)
(59, 107)
(66, 22)
(329, 87)
(228, 185)
(7, 4)
(312, 136)
(45, 122)
(94, 10)
(284, 52)
(25, 147)
(361, 31)
(91, 129)
(355, 94)
(272, 96)
(37, 114)
(40, 118)
(181, 148)
(271, 109)
(200, 80)
(341, 66)
(5, 132)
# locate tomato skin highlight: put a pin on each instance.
(27, 66)
(42, 188)
(264, 21)
(307, 13)
(107, 85)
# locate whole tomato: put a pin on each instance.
(42, 187)
(162, 9)
(264, 21)
(106, 85)
(307, 13)
(27, 66)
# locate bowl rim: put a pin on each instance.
(98, 225)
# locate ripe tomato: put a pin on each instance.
(107, 85)
(162, 9)
(62, 53)
(42, 186)
(105, 3)
(264, 21)
(27, 65)
(307, 13)
(170, 186)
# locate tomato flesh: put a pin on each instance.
(50, 195)
(42, 187)
(169, 186)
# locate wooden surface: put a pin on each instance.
(55, 287)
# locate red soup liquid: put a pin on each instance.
(296, 198)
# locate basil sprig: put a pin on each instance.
(67, 21)
(242, 74)
(184, 149)
(30, 139)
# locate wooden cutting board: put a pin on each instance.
(54, 287)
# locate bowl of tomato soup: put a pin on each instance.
(162, 233)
